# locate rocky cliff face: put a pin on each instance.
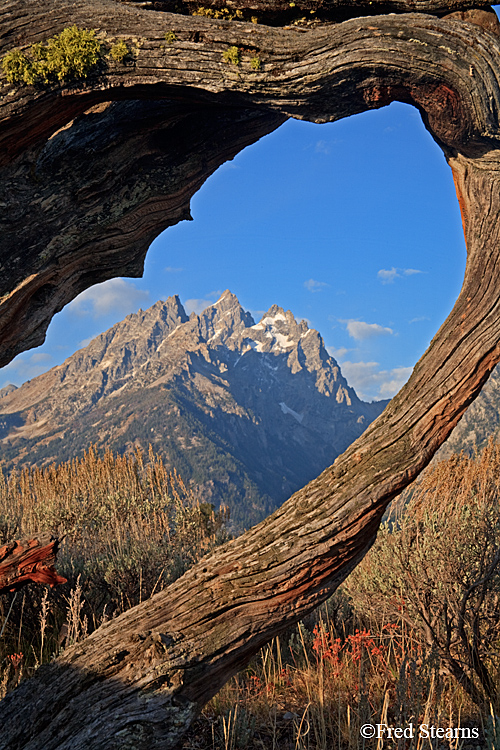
(248, 412)
(480, 421)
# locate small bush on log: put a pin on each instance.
(232, 55)
(225, 13)
(120, 52)
(71, 55)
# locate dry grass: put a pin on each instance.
(411, 638)
(366, 657)
(316, 688)
(128, 527)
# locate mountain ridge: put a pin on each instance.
(245, 410)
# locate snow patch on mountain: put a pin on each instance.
(286, 410)
(283, 342)
(251, 344)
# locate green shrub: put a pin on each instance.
(231, 55)
(15, 66)
(119, 51)
(224, 13)
(71, 55)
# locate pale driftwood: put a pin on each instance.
(138, 680)
(29, 561)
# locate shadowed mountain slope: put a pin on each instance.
(246, 412)
(480, 421)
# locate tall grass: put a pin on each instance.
(317, 686)
(412, 638)
(373, 654)
(128, 528)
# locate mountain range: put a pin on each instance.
(246, 412)
(480, 422)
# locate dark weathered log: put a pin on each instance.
(278, 11)
(29, 560)
(92, 219)
(138, 680)
(96, 219)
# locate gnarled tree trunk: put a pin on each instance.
(178, 111)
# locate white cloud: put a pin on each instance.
(326, 146)
(387, 275)
(315, 286)
(38, 357)
(359, 330)
(337, 353)
(394, 380)
(419, 319)
(197, 305)
(229, 165)
(323, 147)
(85, 342)
(373, 384)
(25, 367)
(171, 269)
(115, 295)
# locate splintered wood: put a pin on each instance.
(30, 560)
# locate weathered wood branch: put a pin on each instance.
(96, 219)
(281, 12)
(93, 219)
(139, 680)
(29, 560)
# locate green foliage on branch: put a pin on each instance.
(120, 52)
(225, 13)
(71, 55)
(231, 55)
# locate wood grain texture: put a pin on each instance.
(358, 6)
(139, 680)
(322, 74)
(29, 561)
(312, 12)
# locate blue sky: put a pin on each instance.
(352, 225)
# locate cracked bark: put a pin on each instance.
(29, 560)
(177, 113)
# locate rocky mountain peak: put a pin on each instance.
(249, 411)
(163, 316)
(223, 320)
(278, 331)
(7, 389)
(226, 301)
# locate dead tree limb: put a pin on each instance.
(139, 680)
(29, 560)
